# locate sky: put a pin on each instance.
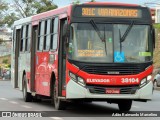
(61, 3)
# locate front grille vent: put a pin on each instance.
(114, 69)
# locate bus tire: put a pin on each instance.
(58, 103)
(35, 99)
(125, 105)
(26, 96)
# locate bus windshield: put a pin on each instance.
(86, 45)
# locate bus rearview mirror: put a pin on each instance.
(153, 36)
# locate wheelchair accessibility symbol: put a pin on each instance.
(119, 56)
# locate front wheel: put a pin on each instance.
(58, 103)
(125, 105)
(26, 96)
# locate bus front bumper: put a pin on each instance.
(76, 91)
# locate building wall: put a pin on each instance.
(157, 17)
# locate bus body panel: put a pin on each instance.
(75, 91)
(17, 81)
(24, 67)
(118, 80)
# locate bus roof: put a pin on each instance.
(24, 20)
(52, 12)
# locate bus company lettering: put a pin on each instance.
(98, 80)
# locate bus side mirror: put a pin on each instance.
(153, 37)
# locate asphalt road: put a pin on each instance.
(11, 100)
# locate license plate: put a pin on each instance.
(112, 91)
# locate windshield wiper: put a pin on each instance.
(122, 39)
(96, 29)
(103, 39)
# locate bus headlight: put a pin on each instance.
(146, 80)
(77, 79)
(81, 81)
(73, 76)
(143, 82)
(149, 77)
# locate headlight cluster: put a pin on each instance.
(144, 81)
(77, 79)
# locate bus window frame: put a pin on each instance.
(28, 38)
(54, 33)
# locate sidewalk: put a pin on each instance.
(157, 88)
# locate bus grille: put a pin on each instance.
(114, 69)
(123, 90)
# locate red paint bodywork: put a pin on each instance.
(114, 79)
(44, 69)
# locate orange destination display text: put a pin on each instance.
(110, 12)
(90, 53)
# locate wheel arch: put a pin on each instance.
(52, 82)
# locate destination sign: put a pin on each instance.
(108, 12)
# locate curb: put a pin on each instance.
(157, 88)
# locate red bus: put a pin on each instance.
(88, 52)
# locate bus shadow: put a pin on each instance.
(81, 110)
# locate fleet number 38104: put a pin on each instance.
(130, 80)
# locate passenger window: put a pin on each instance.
(54, 34)
(23, 35)
(28, 37)
(41, 35)
(48, 34)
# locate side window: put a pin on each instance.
(28, 37)
(23, 36)
(48, 34)
(13, 39)
(46, 45)
(38, 42)
(45, 32)
(54, 34)
(41, 35)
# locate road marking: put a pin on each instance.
(3, 99)
(26, 106)
(56, 118)
(13, 102)
(135, 106)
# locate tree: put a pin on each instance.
(3, 7)
(76, 2)
(23, 8)
(93, 0)
(44, 5)
(5, 61)
(1, 41)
